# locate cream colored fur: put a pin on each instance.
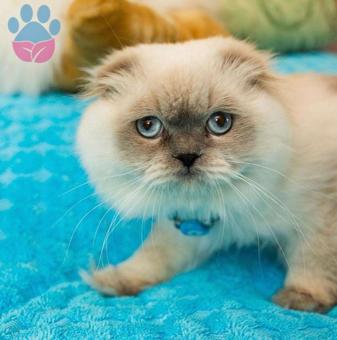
(290, 199)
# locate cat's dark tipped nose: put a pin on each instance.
(188, 159)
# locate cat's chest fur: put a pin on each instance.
(240, 217)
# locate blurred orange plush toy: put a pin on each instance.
(95, 27)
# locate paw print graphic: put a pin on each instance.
(34, 42)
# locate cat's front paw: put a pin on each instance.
(291, 298)
(114, 281)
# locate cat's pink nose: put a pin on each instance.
(188, 159)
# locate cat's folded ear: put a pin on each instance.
(248, 64)
(109, 77)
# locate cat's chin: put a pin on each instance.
(187, 175)
(190, 175)
(198, 180)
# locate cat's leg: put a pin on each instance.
(311, 283)
(165, 253)
(95, 27)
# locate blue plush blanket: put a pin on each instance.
(51, 223)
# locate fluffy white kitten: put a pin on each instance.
(203, 130)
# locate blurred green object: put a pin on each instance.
(283, 25)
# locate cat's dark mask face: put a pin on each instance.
(184, 137)
(181, 119)
(172, 117)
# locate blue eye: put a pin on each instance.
(149, 127)
(219, 123)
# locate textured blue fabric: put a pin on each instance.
(48, 232)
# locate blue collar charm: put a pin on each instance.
(192, 227)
